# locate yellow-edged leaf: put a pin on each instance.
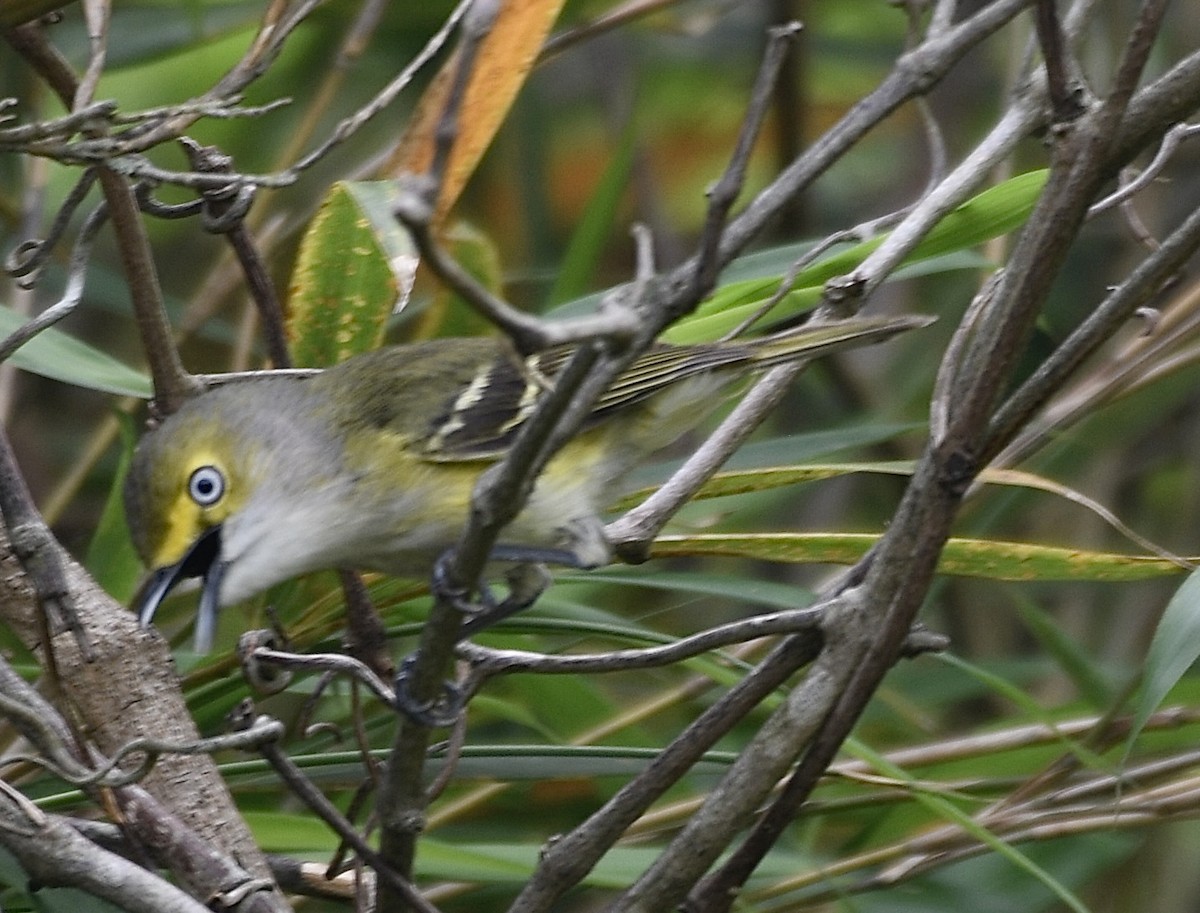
(735, 482)
(992, 559)
(354, 270)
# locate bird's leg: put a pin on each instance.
(444, 710)
(585, 546)
(526, 582)
(527, 579)
(454, 594)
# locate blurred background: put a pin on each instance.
(632, 125)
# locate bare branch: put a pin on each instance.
(303, 788)
(329, 662)
(487, 661)
(724, 193)
(1171, 141)
(1141, 286)
(55, 854)
(529, 334)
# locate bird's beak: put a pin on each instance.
(203, 559)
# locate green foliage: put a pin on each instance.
(1173, 651)
(991, 213)
(111, 557)
(354, 270)
(54, 354)
(1047, 604)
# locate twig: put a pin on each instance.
(1063, 101)
(44, 728)
(76, 274)
(451, 753)
(224, 213)
(721, 196)
(632, 534)
(488, 661)
(55, 854)
(571, 856)
(1140, 287)
(1171, 141)
(304, 790)
(349, 126)
(366, 636)
(96, 15)
(477, 24)
(172, 384)
(13, 139)
(905, 559)
(107, 774)
(329, 662)
(27, 258)
(916, 70)
(278, 23)
(414, 208)
(605, 22)
(1013, 125)
(861, 232)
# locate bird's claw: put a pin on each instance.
(440, 713)
(526, 582)
(455, 595)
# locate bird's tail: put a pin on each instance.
(814, 340)
(663, 366)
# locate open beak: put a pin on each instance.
(201, 560)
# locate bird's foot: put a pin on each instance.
(447, 590)
(527, 579)
(526, 582)
(441, 712)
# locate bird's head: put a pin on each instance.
(213, 493)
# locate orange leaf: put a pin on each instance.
(504, 59)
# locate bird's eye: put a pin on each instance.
(206, 486)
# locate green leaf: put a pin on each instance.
(354, 270)
(742, 481)
(993, 212)
(791, 448)
(513, 863)
(587, 243)
(1173, 650)
(54, 354)
(282, 832)
(988, 558)
(754, 590)
(111, 557)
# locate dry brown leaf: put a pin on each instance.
(504, 60)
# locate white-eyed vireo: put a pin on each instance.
(370, 464)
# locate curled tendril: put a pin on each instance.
(226, 215)
(143, 193)
(27, 258)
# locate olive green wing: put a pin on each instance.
(493, 400)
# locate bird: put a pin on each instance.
(370, 464)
